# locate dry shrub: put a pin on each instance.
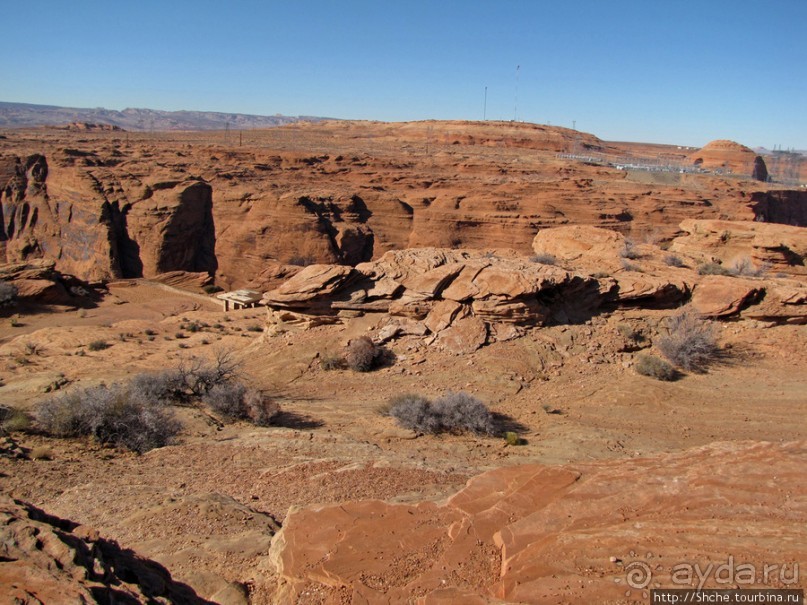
(713, 269)
(543, 258)
(8, 293)
(655, 367)
(673, 261)
(41, 452)
(414, 412)
(260, 410)
(165, 388)
(235, 401)
(362, 354)
(112, 415)
(690, 343)
(629, 250)
(331, 361)
(463, 413)
(745, 267)
(452, 413)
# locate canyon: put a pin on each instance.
(527, 265)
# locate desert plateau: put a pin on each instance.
(480, 362)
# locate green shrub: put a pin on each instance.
(655, 367)
(212, 289)
(512, 438)
(14, 420)
(98, 345)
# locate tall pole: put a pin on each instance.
(515, 108)
(485, 110)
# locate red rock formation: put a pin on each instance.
(339, 192)
(571, 534)
(44, 559)
(780, 248)
(725, 155)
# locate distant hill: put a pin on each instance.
(16, 115)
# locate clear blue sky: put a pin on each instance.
(683, 72)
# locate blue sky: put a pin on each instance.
(681, 72)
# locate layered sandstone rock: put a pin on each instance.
(570, 534)
(779, 248)
(728, 155)
(457, 294)
(339, 192)
(37, 281)
(44, 559)
(98, 225)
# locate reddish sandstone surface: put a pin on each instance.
(586, 533)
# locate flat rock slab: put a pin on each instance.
(568, 534)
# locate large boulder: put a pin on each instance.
(781, 304)
(174, 230)
(580, 243)
(722, 296)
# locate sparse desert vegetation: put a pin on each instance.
(115, 415)
(655, 367)
(452, 413)
(362, 354)
(690, 342)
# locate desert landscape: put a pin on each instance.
(490, 362)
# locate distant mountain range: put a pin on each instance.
(16, 115)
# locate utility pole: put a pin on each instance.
(574, 124)
(515, 108)
(485, 110)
